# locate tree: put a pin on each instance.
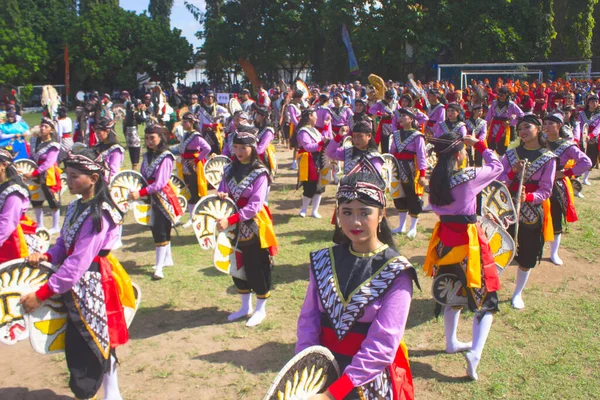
(160, 10)
(574, 29)
(85, 6)
(22, 55)
(113, 45)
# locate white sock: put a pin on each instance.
(118, 243)
(55, 221)
(168, 260)
(412, 233)
(586, 176)
(451, 318)
(111, 383)
(517, 300)
(245, 309)
(160, 257)
(481, 329)
(191, 211)
(39, 217)
(305, 204)
(316, 201)
(402, 217)
(554, 250)
(259, 314)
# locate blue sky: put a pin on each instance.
(180, 16)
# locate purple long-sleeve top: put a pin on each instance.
(577, 131)
(307, 143)
(198, 145)
(594, 128)
(378, 108)
(417, 146)
(47, 160)
(465, 194)
(86, 247)
(512, 112)
(438, 115)
(582, 161)
(265, 141)
(479, 132)
(161, 176)
(294, 115)
(323, 117)
(438, 131)
(344, 118)
(420, 117)
(228, 146)
(114, 159)
(15, 206)
(544, 176)
(335, 151)
(387, 316)
(256, 193)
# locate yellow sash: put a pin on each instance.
(266, 232)
(51, 175)
(419, 190)
(303, 167)
(201, 180)
(456, 255)
(122, 281)
(547, 229)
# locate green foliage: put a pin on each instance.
(22, 54)
(160, 10)
(576, 27)
(112, 45)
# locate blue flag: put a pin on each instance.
(351, 57)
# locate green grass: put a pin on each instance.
(181, 342)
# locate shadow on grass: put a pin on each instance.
(421, 311)
(19, 393)
(425, 371)
(269, 357)
(155, 321)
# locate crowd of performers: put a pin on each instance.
(359, 292)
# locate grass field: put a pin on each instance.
(182, 346)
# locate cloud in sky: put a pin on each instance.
(180, 16)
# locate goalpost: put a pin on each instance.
(508, 66)
(464, 80)
(582, 75)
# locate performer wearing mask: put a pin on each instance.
(341, 115)
(194, 106)
(562, 202)
(193, 150)
(502, 115)
(311, 160)
(458, 245)
(86, 280)
(408, 147)
(108, 147)
(535, 223)
(359, 296)
(266, 134)
(453, 123)
(157, 165)
(45, 154)
(436, 111)
(246, 181)
(130, 122)
(14, 202)
(590, 117)
(385, 110)
(476, 127)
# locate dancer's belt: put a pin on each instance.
(405, 156)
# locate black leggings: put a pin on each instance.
(134, 155)
(530, 244)
(161, 227)
(257, 263)
(310, 189)
(592, 153)
(191, 181)
(557, 215)
(84, 366)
